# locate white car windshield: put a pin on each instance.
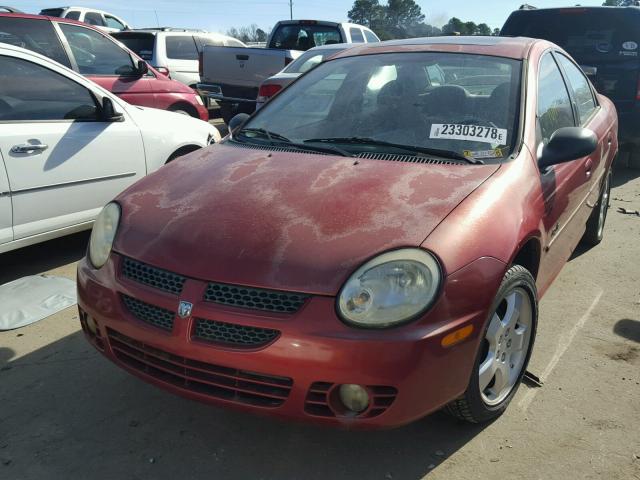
(463, 104)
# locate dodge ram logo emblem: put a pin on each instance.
(184, 309)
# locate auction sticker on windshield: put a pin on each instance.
(472, 133)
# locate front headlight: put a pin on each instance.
(103, 234)
(390, 289)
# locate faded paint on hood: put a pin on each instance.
(291, 221)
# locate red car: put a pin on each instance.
(99, 57)
(367, 248)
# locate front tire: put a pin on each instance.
(504, 350)
(594, 233)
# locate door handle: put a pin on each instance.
(29, 148)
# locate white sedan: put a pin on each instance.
(67, 147)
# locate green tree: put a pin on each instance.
(366, 12)
(454, 26)
(484, 29)
(619, 3)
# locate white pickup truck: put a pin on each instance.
(232, 75)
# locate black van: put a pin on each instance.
(605, 41)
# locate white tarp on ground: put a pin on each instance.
(30, 299)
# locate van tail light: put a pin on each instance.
(269, 90)
(164, 71)
(200, 65)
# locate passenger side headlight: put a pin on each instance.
(390, 289)
(103, 234)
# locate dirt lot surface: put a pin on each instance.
(67, 413)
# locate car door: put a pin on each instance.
(103, 61)
(564, 186)
(590, 116)
(6, 216)
(63, 161)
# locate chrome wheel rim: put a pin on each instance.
(505, 346)
(604, 206)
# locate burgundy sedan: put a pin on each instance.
(370, 246)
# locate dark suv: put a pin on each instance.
(604, 41)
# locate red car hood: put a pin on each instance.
(292, 221)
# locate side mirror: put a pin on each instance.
(567, 144)
(237, 121)
(141, 68)
(109, 113)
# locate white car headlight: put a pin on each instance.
(392, 288)
(103, 234)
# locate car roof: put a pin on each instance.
(510, 47)
(579, 7)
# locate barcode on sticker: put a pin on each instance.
(471, 133)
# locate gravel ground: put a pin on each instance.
(67, 413)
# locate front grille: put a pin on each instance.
(255, 298)
(156, 316)
(152, 276)
(318, 402)
(231, 334)
(224, 383)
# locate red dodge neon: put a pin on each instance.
(367, 248)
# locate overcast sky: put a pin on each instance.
(220, 15)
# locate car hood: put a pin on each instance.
(291, 221)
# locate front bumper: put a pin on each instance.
(406, 370)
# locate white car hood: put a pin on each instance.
(156, 120)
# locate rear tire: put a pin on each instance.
(504, 351)
(594, 233)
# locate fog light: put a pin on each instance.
(354, 397)
(92, 325)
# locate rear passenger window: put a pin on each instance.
(206, 41)
(93, 18)
(30, 92)
(371, 38)
(181, 48)
(581, 88)
(36, 35)
(73, 15)
(554, 103)
(95, 54)
(356, 35)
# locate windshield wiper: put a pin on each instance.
(276, 139)
(409, 148)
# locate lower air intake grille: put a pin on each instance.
(318, 401)
(255, 298)
(156, 316)
(224, 383)
(231, 334)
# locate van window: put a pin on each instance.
(73, 15)
(95, 54)
(203, 41)
(584, 33)
(356, 35)
(94, 18)
(554, 104)
(304, 37)
(370, 36)
(142, 44)
(181, 47)
(114, 22)
(581, 88)
(36, 35)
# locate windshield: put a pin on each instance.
(304, 37)
(459, 103)
(310, 59)
(587, 34)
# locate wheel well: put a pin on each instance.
(190, 109)
(529, 257)
(183, 151)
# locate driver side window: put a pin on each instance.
(95, 54)
(554, 104)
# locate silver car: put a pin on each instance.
(305, 62)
